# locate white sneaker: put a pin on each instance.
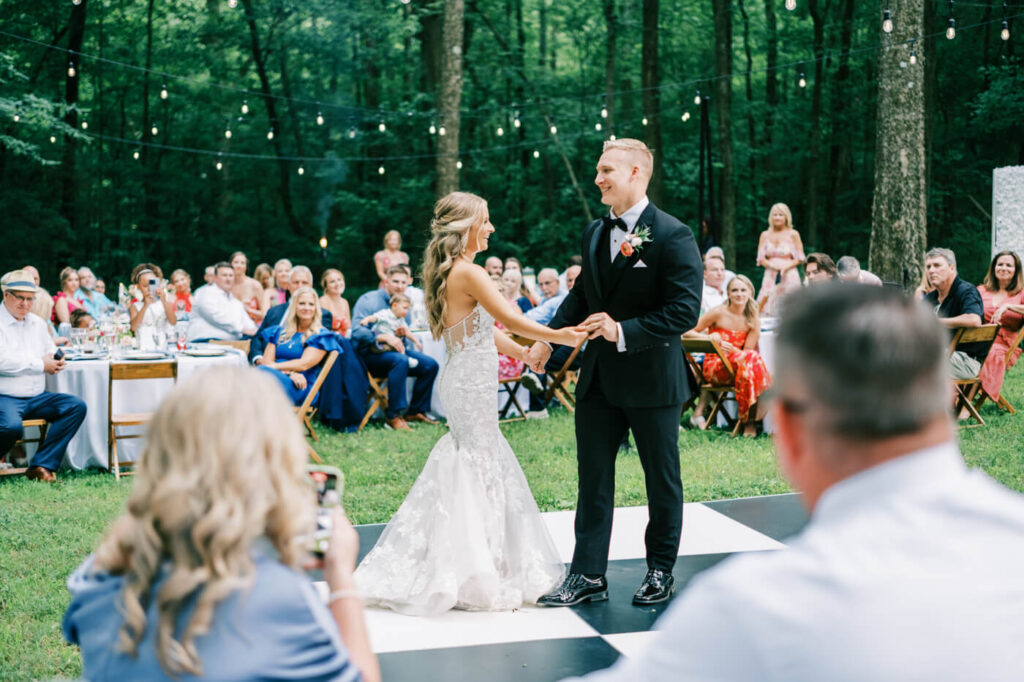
(538, 414)
(531, 382)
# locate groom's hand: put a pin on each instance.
(600, 324)
(538, 356)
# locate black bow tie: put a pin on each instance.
(610, 222)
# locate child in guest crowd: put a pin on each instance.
(392, 321)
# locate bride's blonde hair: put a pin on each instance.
(223, 466)
(454, 215)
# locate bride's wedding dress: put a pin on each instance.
(469, 534)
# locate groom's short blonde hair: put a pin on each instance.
(639, 151)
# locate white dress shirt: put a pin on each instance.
(216, 314)
(23, 343)
(909, 570)
(712, 297)
(618, 235)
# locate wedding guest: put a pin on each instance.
(512, 263)
(183, 301)
(536, 384)
(333, 284)
(414, 293)
(100, 287)
(547, 280)
(299, 277)
(848, 270)
(543, 313)
(153, 309)
(95, 303)
(390, 255)
(26, 354)
(264, 274)
(82, 319)
(216, 314)
(389, 324)
(779, 252)
(902, 537)
(820, 268)
(575, 259)
(65, 301)
(1002, 299)
(717, 251)
(958, 304)
(714, 293)
(736, 327)
(202, 575)
(246, 289)
(43, 304)
(209, 274)
(278, 294)
(395, 366)
(297, 346)
(493, 266)
(512, 279)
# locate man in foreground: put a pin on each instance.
(910, 567)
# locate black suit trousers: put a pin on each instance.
(600, 428)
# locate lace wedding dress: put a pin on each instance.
(469, 534)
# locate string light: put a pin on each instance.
(380, 170)
(17, 118)
(433, 129)
(597, 126)
(554, 130)
(458, 164)
(71, 70)
(76, 3)
(604, 112)
(53, 139)
(441, 131)
(536, 154)
(381, 127)
(951, 29)
(516, 122)
(913, 56)
(245, 106)
(232, 3)
(351, 133)
(323, 242)
(644, 120)
(154, 129)
(220, 164)
(803, 81)
(791, 5)
(696, 99)
(85, 124)
(270, 134)
(887, 21)
(301, 170)
(319, 118)
(612, 136)
(685, 117)
(163, 91)
(1005, 32)
(135, 154)
(227, 131)
(500, 131)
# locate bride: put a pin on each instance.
(469, 534)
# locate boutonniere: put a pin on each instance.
(634, 243)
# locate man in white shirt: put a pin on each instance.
(216, 314)
(911, 566)
(26, 352)
(849, 270)
(714, 283)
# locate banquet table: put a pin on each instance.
(88, 379)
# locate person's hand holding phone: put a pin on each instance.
(342, 552)
(54, 363)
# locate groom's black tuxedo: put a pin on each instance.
(655, 295)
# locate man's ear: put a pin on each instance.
(790, 444)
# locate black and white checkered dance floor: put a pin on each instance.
(540, 644)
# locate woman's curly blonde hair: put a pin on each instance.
(223, 466)
(454, 214)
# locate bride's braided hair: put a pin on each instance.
(454, 214)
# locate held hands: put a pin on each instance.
(537, 356)
(599, 325)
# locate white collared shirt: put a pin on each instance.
(712, 297)
(23, 343)
(908, 570)
(630, 218)
(216, 314)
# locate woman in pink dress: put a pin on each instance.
(779, 252)
(1002, 294)
(64, 302)
(391, 254)
(333, 283)
(278, 293)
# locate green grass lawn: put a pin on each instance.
(46, 530)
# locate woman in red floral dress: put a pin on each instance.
(736, 326)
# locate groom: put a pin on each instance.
(638, 292)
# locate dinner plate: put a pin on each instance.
(205, 352)
(143, 355)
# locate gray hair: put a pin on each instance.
(939, 252)
(301, 268)
(872, 359)
(847, 266)
(715, 251)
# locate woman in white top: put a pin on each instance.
(152, 308)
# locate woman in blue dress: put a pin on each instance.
(296, 347)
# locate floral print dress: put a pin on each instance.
(752, 378)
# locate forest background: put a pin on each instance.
(131, 159)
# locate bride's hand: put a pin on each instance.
(571, 337)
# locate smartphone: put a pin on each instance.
(329, 484)
(153, 282)
(59, 355)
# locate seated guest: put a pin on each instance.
(295, 348)
(512, 278)
(278, 294)
(848, 270)
(543, 313)
(717, 251)
(333, 284)
(209, 274)
(26, 353)
(43, 305)
(536, 384)
(389, 324)
(512, 263)
(299, 277)
(910, 567)
(819, 268)
(182, 285)
(493, 266)
(395, 366)
(736, 327)
(547, 281)
(96, 303)
(153, 311)
(100, 287)
(414, 293)
(264, 274)
(202, 575)
(246, 289)
(81, 319)
(714, 293)
(66, 299)
(958, 304)
(216, 314)
(1002, 299)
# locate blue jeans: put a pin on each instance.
(64, 412)
(395, 366)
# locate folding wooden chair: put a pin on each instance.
(306, 411)
(376, 399)
(42, 425)
(509, 387)
(131, 371)
(1002, 403)
(967, 389)
(562, 384)
(718, 392)
(242, 345)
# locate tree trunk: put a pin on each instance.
(450, 99)
(771, 82)
(812, 237)
(900, 209)
(840, 156)
(611, 23)
(650, 81)
(723, 93)
(543, 47)
(751, 126)
(69, 180)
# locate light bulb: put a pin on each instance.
(381, 127)
(433, 129)
(71, 70)
(500, 131)
(163, 91)
(85, 125)
(685, 116)
(536, 154)
(604, 112)
(227, 133)
(270, 134)
(154, 130)
(644, 120)
(220, 165)
(887, 22)
(951, 31)
(351, 133)
(232, 3)
(791, 5)
(1005, 33)
(380, 170)
(696, 100)
(597, 126)
(301, 170)
(245, 106)
(913, 57)
(441, 131)
(516, 122)
(802, 82)
(323, 242)
(554, 130)
(458, 164)
(76, 2)
(17, 118)
(53, 139)
(611, 137)
(135, 154)
(319, 119)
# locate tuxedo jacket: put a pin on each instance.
(274, 317)
(655, 295)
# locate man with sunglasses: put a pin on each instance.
(26, 353)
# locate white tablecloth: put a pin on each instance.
(87, 379)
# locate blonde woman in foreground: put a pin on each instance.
(469, 535)
(201, 576)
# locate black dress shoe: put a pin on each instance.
(656, 587)
(575, 589)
